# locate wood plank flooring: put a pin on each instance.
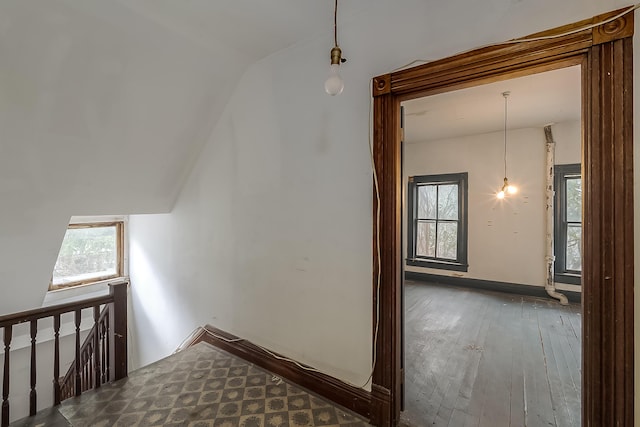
(480, 358)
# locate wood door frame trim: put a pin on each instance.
(605, 53)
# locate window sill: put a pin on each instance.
(441, 265)
(572, 279)
(80, 292)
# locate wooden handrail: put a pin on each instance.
(101, 358)
(52, 310)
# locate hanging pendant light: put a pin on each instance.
(334, 85)
(506, 187)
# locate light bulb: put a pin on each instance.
(512, 189)
(334, 84)
(500, 194)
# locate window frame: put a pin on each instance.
(120, 256)
(561, 174)
(414, 182)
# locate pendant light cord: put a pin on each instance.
(335, 24)
(506, 94)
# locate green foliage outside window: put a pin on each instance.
(86, 253)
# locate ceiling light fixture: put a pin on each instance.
(506, 187)
(334, 85)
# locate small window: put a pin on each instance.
(89, 253)
(568, 223)
(437, 223)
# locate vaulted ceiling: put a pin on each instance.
(118, 97)
(106, 105)
(255, 28)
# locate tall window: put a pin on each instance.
(89, 253)
(568, 223)
(437, 221)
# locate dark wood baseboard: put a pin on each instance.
(381, 401)
(489, 285)
(346, 395)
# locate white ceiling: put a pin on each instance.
(535, 101)
(255, 28)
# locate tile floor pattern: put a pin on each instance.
(203, 386)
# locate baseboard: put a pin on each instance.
(346, 395)
(489, 285)
(194, 338)
(381, 402)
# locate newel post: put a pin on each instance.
(118, 353)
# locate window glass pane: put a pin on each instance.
(574, 247)
(427, 202)
(447, 240)
(437, 221)
(574, 200)
(87, 253)
(448, 201)
(426, 239)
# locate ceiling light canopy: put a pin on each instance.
(334, 85)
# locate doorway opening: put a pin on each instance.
(605, 53)
(483, 342)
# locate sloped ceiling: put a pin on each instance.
(101, 106)
(255, 28)
(109, 102)
(105, 105)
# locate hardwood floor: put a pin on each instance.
(481, 358)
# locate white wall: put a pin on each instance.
(101, 112)
(568, 138)
(506, 240)
(271, 236)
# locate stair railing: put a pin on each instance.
(91, 364)
(100, 359)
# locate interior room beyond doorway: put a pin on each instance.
(457, 233)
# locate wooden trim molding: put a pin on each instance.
(386, 386)
(607, 355)
(346, 395)
(119, 225)
(488, 285)
(605, 54)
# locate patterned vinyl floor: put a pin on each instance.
(203, 386)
